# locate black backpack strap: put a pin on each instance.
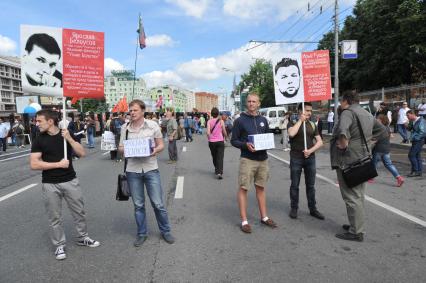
(125, 159)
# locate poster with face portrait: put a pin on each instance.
(62, 62)
(300, 77)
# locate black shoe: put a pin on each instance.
(414, 174)
(168, 237)
(351, 237)
(219, 176)
(139, 241)
(293, 213)
(315, 213)
(346, 227)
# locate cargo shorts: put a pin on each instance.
(253, 171)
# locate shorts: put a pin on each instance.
(253, 171)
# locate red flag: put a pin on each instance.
(121, 106)
(142, 36)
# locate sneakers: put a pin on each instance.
(246, 228)
(168, 237)
(139, 241)
(87, 242)
(414, 174)
(269, 223)
(399, 181)
(219, 176)
(286, 149)
(293, 213)
(60, 253)
(346, 227)
(351, 237)
(315, 213)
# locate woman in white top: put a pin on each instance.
(283, 127)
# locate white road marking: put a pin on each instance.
(105, 153)
(179, 187)
(14, 157)
(16, 152)
(368, 198)
(184, 149)
(17, 192)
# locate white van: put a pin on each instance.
(273, 115)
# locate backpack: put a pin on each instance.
(19, 130)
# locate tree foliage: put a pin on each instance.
(260, 80)
(391, 38)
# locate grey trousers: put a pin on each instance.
(53, 195)
(173, 153)
(354, 200)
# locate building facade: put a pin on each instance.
(171, 97)
(10, 84)
(204, 101)
(120, 84)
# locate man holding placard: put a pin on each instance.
(253, 163)
(142, 170)
(303, 157)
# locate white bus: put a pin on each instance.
(273, 115)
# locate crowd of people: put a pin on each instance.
(301, 136)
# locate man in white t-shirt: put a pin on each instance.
(422, 109)
(330, 120)
(402, 122)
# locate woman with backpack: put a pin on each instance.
(216, 133)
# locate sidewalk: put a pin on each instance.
(396, 142)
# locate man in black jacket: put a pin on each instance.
(253, 163)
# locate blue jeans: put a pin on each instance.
(309, 168)
(330, 127)
(188, 134)
(385, 157)
(402, 130)
(152, 182)
(90, 137)
(415, 156)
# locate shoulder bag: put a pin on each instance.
(361, 170)
(123, 190)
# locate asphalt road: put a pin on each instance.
(210, 247)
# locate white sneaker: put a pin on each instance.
(60, 253)
(88, 243)
(286, 149)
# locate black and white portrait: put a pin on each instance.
(41, 69)
(288, 80)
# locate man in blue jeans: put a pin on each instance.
(418, 134)
(143, 171)
(303, 157)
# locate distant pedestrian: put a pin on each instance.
(76, 128)
(143, 172)
(422, 109)
(330, 120)
(216, 134)
(188, 124)
(253, 163)
(284, 120)
(59, 180)
(172, 129)
(302, 157)
(181, 128)
(417, 138)
(228, 125)
(381, 150)
(347, 147)
(202, 124)
(4, 131)
(19, 131)
(115, 127)
(90, 130)
(385, 111)
(402, 122)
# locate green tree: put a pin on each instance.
(391, 38)
(92, 105)
(260, 79)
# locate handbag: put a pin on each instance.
(123, 190)
(361, 170)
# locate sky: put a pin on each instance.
(189, 42)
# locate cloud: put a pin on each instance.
(159, 40)
(193, 8)
(7, 46)
(193, 73)
(278, 10)
(112, 65)
(158, 78)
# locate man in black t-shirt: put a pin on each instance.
(303, 157)
(59, 179)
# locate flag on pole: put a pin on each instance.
(142, 37)
(121, 106)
